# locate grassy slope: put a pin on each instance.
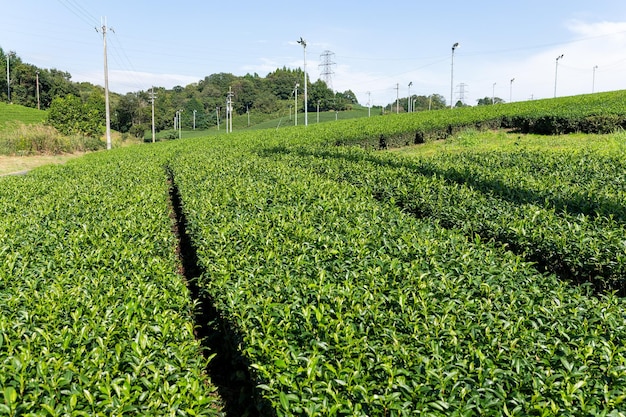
(241, 122)
(17, 113)
(486, 141)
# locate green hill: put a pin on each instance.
(17, 113)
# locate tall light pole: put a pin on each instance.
(456, 45)
(8, 77)
(318, 111)
(194, 119)
(180, 124)
(369, 104)
(593, 83)
(409, 98)
(38, 104)
(152, 97)
(493, 94)
(229, 110)
(556, 72)
(397, 98)
(306, 116)
(511, 91)
(295, 107)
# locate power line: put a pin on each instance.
(79, 11)
(124, 61)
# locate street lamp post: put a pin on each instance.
(456, 45)
(306, 118)
(556, 72)
(318, 111)
(593, 83)
(295, 107)
(180, 124)
(408, 102)
(38, 101)
(8, 78)
(511, 91)
(493, 94)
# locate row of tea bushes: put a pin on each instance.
(94, 319)
(344, 305)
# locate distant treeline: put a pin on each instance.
(205, 100)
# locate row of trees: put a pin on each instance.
(203, 102)
(23, 83)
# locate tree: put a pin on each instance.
(487, 101)
(70, 116)
(431, 102)
(283, 81)
(125, 113)
(245, 95)
(266, 102)
(348, 96)
(319, 92)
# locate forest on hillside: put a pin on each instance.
(202, 102)
(26, 84)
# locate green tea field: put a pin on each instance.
(465, 262)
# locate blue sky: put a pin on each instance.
(377, 45)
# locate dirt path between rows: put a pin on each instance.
(21, 165)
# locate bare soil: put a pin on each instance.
(22, 164)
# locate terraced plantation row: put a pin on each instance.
(324, 280)
(346, 303)
(94, 319)
(569, 229)
(592, 113)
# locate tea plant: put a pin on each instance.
(94, 319)
(347, 306)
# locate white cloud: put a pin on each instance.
(600, 43)
(614, 30)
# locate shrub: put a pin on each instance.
(18, 138)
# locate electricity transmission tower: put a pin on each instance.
(462, 91)
(327, 68)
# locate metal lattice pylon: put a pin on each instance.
(327, 68)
